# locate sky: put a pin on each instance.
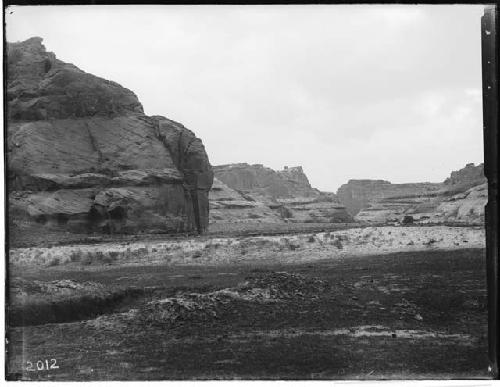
(346, 91)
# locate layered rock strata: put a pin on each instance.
(230, 206)
(258, 179)
(271, 196)
(83, 157)
(459, 199)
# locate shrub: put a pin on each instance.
(54, 261)
(75, 256)
(338, 244)
(87, 260)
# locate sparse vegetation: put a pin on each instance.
(415, 321)
(338, 243)
(75, 256)
(54, 261)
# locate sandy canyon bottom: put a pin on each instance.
(361, 303)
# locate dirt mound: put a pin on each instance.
(260, 287)
(283, 285)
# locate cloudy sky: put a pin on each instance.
(348, 92)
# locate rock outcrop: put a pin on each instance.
(469, 176)
(230, 206)
(359, 195)
(459, 199)
(83, 157)
(465, 207)
(320, 209)
(258, 179)
(264, 195)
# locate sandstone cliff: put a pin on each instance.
(230, 206)
(272, 196)
(360, 194)
(469, 176)
(256, 178)
(83, 157)
(459, 199)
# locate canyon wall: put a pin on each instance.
(84, 158)
(359, 194)
(265, 195)
(469, 176)
(459, 199)
(256, 178)
(230, 206)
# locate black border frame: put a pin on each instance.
(489, 53)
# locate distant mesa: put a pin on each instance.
(459, 199)
(289, 182)
(83, 157)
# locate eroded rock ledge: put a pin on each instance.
(83, 157)
(244, 193)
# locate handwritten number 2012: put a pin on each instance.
(42, 365)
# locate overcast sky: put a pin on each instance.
(355, 91)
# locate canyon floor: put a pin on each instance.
(351, 303)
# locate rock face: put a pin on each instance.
(459, 199)
(290, 182)
(254, 193)
(464, 207)
(83, 157)
(360, 194)
(231, 206)
(469, 176)
(320, 209)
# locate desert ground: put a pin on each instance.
(345, 303)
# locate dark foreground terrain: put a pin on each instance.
(403, 315)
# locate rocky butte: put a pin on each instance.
(255, 193)
(83, 157)
(258, 179)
